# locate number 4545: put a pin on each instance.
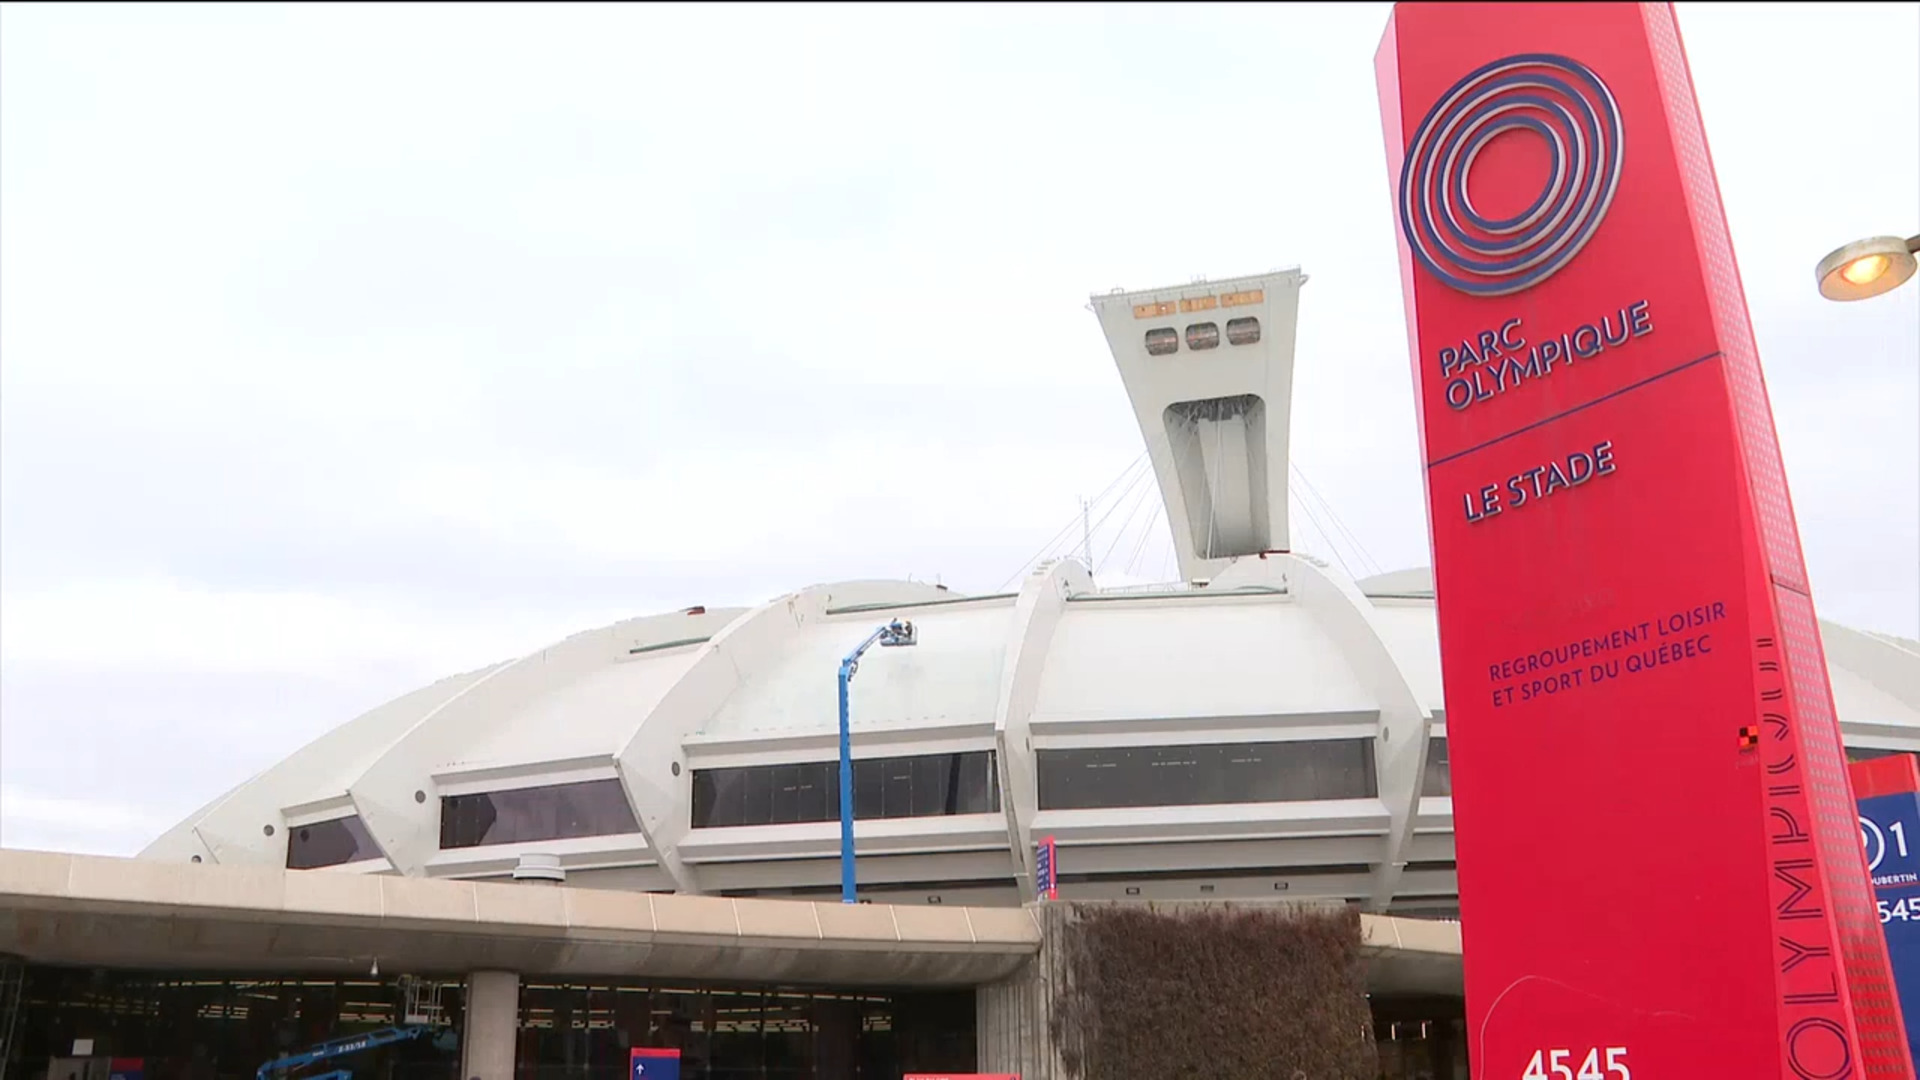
(1557, 1065)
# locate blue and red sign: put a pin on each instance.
(1889, 792)
(126, 1068)
(1046, 871)
(646, 1063)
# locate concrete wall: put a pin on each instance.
(1011, 1015)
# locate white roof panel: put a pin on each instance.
(590, 716)
(1251, 656)
(951, 676)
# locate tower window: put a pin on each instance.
(1203, 335)
(1243, 331)
(1163, 341)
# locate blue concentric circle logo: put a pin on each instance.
(1558, 100)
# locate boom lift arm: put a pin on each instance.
(278, 1068)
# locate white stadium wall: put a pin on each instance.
(1277, 653)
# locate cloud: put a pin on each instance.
(86, 826)
(165, 626)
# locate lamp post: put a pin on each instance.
(1865, 268)
(895, 633)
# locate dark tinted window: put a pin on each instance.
(1204, 335)
(1217, 873)
(1243, 331)
(330, 843)
(1426, 909)
(588, 808)
(1204, 775)
(930, 785)
(1439, 777)
(1162, 341)
(1861, 753)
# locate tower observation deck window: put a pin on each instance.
(1163, 341)
(557, 812)
(1245, 331)
(1206, 775)
(926, 785)
(330, 843)
(1203, 335)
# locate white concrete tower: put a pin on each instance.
(1209, 367)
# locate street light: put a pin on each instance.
(1867, 267)
(894, 633)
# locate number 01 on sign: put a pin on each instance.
(1609, 1063)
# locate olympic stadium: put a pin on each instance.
(1264, 726)
(631, 837)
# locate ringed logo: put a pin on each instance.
(1557, 99)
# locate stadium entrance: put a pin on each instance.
(82, 1024)
(1420, 1037)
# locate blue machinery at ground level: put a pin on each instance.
(333, 1048)
(894, 633)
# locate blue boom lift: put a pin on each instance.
(280, 1067)
(422, 1015)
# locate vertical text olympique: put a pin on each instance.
(1493, 362)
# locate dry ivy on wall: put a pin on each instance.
(1211, 993)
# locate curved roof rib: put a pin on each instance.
(1037, 614)
(398, 793)
(652, 761)
(233, 828)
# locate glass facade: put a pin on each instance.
(581, 1031)
(1206, 775)
(1204, 335)
(1243, 331)
(331, 843)
(558, 812)
(1420, 1038)
(188, 1027)
(184, 1027)
(210, 1027)
(929, 785)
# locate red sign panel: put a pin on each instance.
(1660, 868)
(1894, 774)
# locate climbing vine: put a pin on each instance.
(1194, 992)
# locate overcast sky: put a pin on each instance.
(344, 347)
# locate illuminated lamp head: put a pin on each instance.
(1867, 267)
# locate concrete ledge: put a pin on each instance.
(1385, 933)
(80, 909)
(127, 913)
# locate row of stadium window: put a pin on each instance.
(1165, 340)
(928, 785)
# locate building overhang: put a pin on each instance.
(123, 913)
(91, 911)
